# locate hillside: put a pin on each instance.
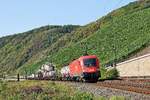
(19, 49)
(116, 36)
(123, 32)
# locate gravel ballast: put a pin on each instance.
(107, 92)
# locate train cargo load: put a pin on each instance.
(65, 73)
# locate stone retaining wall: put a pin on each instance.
(139, 66)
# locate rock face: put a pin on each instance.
(139, 66)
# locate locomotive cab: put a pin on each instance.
(85, 68)
(90, 67)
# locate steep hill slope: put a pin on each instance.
(123, 32)
(19, 49)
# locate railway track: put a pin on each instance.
(110, 88)
(137, 86)
(141, 86)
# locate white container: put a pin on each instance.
(65, 71)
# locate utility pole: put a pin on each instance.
(85, 48)
(4, 76)
(114, 35)
(51, 61)
(26, 74)
(115, 53)
(18, 77)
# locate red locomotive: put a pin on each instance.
(86, 68)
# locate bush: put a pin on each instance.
(117, 98)
(111, 73)
(103, 71)
(83, 96)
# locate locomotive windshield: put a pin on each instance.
(89, 62)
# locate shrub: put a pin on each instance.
(117, 98)
(82, 96)
(103, 72)
(111, 73)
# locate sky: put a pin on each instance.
(17, 16)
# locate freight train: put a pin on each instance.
(85, 68)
